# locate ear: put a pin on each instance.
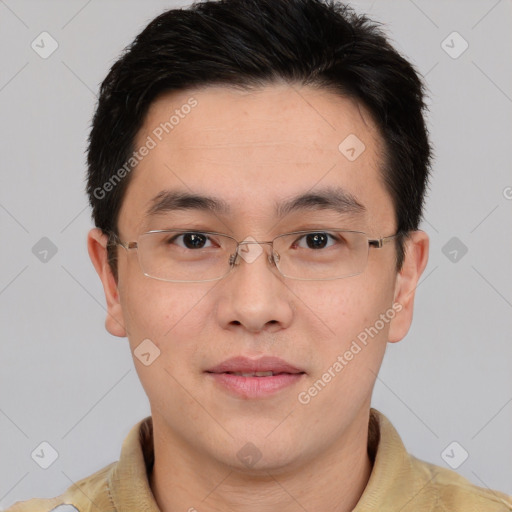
(415, 261)
(97, 247)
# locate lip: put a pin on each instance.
(285, 375)
(262, 364)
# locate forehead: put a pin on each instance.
(253, 150)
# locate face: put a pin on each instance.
(253, 151)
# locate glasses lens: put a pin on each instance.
(318, 255)
(185, 255)
(192, 256)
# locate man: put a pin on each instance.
(257, 171)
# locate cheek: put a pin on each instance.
(344, 306)
(351, 312)
(172, 319)
(169, 314)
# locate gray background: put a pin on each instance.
(66, 381)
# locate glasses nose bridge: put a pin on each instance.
(246, 242)
(273, 256)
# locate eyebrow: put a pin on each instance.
(329, 198)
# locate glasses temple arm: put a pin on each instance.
(378, 243)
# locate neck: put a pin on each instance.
(333, 480)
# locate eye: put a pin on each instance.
(315, 240)
(192, 240)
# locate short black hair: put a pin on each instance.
(253, 43)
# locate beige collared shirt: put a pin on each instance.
(399, 482)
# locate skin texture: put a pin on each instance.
(253, 149)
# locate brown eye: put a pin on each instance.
(190, 240)
(314, 240)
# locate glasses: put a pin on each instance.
(196, 256)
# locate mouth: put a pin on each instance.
(262, 367)
(256, 374)
(254, 378)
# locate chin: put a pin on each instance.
(260, 455)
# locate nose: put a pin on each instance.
(254, 295)
(249, 250)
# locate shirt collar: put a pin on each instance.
(128, 482)
(395, 482)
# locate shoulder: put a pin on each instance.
(452, 492)
(87, 495)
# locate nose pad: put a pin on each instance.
(234, 259)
